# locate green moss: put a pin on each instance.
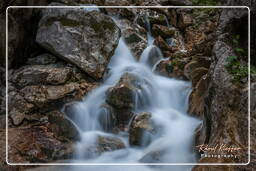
(234, 64)
(236, 68)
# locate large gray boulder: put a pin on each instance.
(86, 39)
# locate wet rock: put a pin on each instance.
(140, 124)
(152, 157)
(36, 144)
(163, 31)
(172, 68)
(197, 96)
(40, 75)
(122, 98)
(109, 144)
(43, 59)
(184, 20)
(153, 53)
(101, 144)
(190, 67)
(197, 74)
(161, 43)
(62, 127)
(134, 35)
(107, 118)
(86, 39)
(122, 95)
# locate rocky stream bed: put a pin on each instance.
(60, 59)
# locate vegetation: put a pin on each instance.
(234, 64)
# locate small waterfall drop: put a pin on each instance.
(165, 98)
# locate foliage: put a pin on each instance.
(234, 63)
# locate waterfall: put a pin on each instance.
(165, 98)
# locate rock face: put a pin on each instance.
(86, 39)
(221, 102)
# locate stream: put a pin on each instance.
(165, 98)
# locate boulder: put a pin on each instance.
(121, 98)
(163, 31)
(122, 95)
(99, 144)
(106, 143)
(54, 96)
(85, 38)
(40, 75)
(172, 68)
(140, 124)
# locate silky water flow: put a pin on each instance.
(165, 98)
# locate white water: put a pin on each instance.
(165, 98)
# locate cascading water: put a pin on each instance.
(165, 98)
